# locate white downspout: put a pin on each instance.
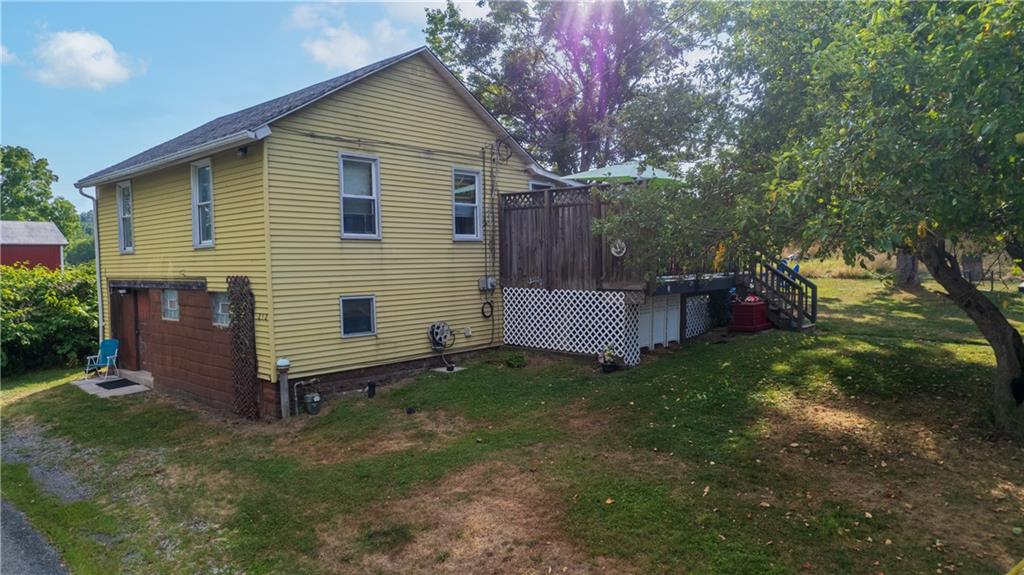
(96, 248)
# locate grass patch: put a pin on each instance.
(772, 453)
(22, 385)
(385, 539)
(72, 528)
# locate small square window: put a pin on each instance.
(169, 305)
(358, 316)
(221, 309)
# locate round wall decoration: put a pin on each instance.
(618, 248)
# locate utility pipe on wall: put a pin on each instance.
(96, 249)
(282, 385)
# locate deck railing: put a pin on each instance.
(794, 295)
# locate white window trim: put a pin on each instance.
(478, 236)
(120, 186)
(177, 301)
(373, 315)
(195, 206)
(548, 185)
(341, 194)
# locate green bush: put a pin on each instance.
(515, 360)
(48, 316)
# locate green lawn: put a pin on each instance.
(865, 448)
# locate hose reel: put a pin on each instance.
(441, 338)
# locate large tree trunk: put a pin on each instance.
(906, 269)
(1008, 387)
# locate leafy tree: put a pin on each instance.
(573, 66)
(869, 127)
(80, 251)
(26, 192)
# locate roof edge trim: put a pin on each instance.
(242, 137)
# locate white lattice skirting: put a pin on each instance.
(698, 315)
(575, 321)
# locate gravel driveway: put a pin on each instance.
(25, 551)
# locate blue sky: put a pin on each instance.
(86, 85)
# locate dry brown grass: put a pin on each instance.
(489, 518)
(937, 483)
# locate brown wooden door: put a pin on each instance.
(126, 328)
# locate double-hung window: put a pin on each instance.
(466, 198)
(358, 315)
(125, 218)
(360, 196)
(202, 204)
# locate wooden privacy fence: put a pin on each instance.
(547, 241)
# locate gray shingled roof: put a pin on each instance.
(31, 233)
(247, 119)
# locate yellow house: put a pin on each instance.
(358, 211)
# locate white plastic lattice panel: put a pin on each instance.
(698, 317)
(576, 321)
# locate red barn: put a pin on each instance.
(33, 243)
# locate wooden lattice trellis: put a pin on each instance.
(243, 348)
(578, 321)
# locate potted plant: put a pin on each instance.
(608, 359)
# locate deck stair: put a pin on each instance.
(792, 298)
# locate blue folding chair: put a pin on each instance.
(106, 359)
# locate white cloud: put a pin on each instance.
(335, 44)
(339, 47)
(82, 60)
(308, 16)
(6, 56)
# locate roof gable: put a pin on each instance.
(238, 123)
(31, 233)
(253, 124)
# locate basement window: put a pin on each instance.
(125, 218)
(466, 196)
(358, 316)
(221, 309)
(169, 308)
(360, 196)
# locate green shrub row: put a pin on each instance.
(48, 316)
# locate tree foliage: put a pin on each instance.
(27, 195)
(26, 192)
(859, 128)
(557, 73)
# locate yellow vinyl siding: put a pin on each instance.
(163, 233)
(417, 272)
